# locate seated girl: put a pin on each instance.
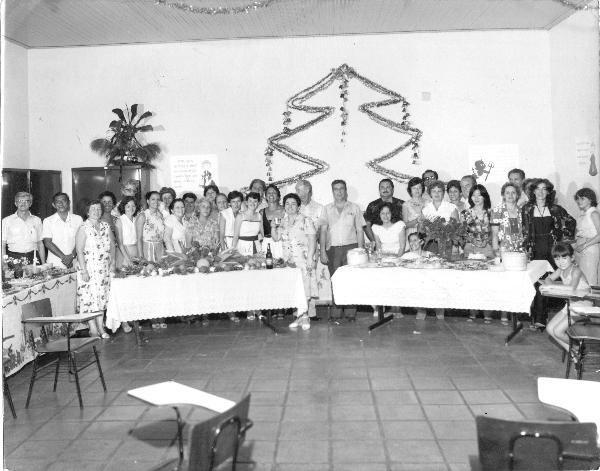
(570, 275)
(415, 244)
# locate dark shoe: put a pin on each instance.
(316, 318)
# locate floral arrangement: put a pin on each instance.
(444, 233)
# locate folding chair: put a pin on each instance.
(215, 440)
(507, 445)
(51, 344)
(581, 337)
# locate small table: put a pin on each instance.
(173, 394)
(578, 397)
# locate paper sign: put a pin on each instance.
(584, 148)
(193, 172)
(491, 163)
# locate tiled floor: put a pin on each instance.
(333, 398)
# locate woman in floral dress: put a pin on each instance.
(298, 236)
(206, 231)
(150, 229)
(96, 257)
(507, 226)
(479, 231)
(412, 210)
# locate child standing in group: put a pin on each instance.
(570, 275)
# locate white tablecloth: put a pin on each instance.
(61, 292)
(454, 289)
(137, 298)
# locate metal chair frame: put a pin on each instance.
(50, 347)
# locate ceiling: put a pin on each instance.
(67, 23)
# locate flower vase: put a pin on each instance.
(444, 249)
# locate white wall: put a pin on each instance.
(226, 98)
(575, 102)
(15, 117)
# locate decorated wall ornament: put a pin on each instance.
(217, 10)
(343, 74)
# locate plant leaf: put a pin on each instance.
(145, 128)
(119, 113)
(134, 108)
(115, 124)
(144, 115)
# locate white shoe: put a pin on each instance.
(126, 327)
(375, 313)
(421, 314)
(295, 324)
(305, 322)
(439, 313)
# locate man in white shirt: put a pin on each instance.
(22, 231)
(341, 230)
(59, 232)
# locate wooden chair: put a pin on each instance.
(50, 345)
(582, 336)
(507, 445)
(215, 440)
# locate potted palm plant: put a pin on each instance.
(123, 146)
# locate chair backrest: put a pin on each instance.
(507, 445)
(215, 440)
(35, 333)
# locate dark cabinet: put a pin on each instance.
(42, 184)
(89, 182)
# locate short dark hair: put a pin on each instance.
(276, 190)
(339, 182)
(254, 195)
(414, 181)
(587, 193)
(430, 171)
(487, 203)
(258, 180)
(123, 203)
(293, 196)
(437, 184)
(109, 194)
(235, 194)
(506, 185)
(516, 170)
(388, 180)
(419, 235)
(550, 197)
(215, 188)
(150, 193)
(189, 195)
(60, 193)
(165, 189)
(562, 249)
(471, 177)
(172, 205)
(453, 184)
(86, 207)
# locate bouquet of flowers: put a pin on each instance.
(16, 264)
(445, 233)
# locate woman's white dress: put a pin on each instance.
(389, 237)
(250, 230)
(178, 235)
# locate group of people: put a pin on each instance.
(314, 237)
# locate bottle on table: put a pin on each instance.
(269, 258)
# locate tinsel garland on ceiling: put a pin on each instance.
(343, 75)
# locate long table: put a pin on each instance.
(510, 291)
(15, 350)
(138, 298)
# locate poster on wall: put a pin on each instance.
(491, 163)
(194, 172)
(585, 155)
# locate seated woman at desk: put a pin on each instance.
(570, 275)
